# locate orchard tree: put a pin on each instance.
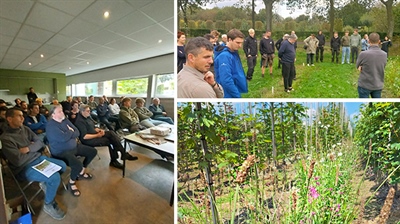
(389, 11)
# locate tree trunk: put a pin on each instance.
(273, 133)
(208, 174)
(389, 12)
(331, 17)
(283, 128)
(268, 8)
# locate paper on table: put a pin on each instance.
(47, 168)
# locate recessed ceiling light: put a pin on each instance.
(69, 68)
(29, 63)
(87, 62)
(159, 41)
(42, 56)
(106, 14)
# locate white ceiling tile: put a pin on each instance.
(5, 41)
(8, 27)
(70, 53)
(103, 51)
(72, 7)
(80, 29)
(124, 44)
(27, 44)
(34, 34)
(63, 41)
(117, 10)
(50, 50)
(137, 4)
(15, 10)
(20, 51)
(159, 10)
(85, 46)
(9, 63)
(16, 57)
(103, 37)
(131, 23)
(143, 35)
(168, 24)
(47, 18)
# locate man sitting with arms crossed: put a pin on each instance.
(195, 80)
(62, 135)
(90, 135)
(21, 147)
(159, 112)
(128, 117)
(36, 121)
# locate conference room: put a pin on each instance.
(122, 48)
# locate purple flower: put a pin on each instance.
(313, 193)
(312, 213)
(316, 178)
(318, 184)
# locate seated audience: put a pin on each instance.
(62, 136)
(55, 102)
(128, 117)
(79, 100)
(120, 101)
(105, 99)
(89, 135)
(3, 120)
(103, 114)
(93, 107)
(66, 105)
(35, 121)
(3, 103)
(145, 115)
(113, 107)
(159, 112)
(22, 149)
(24, 108)
(17, 103)
(42, 109)
(74, 112)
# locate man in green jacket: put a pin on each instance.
(355, 44)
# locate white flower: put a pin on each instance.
(322, 160)
(339, 154)
(333, 146)
(246, 140)
(305, 146)
(328, 125)
(294, 132)
(339, 143)
(319, 122)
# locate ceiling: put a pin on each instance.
(74, 37)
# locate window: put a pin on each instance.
(132, 87)
(94, 88)
(165, 85)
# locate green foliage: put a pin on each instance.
(380, 124)
(132, 86)
(392, 78)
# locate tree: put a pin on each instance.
(389, 11)
(185, 5)
(268, 7)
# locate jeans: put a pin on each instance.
(354, 54)
(165, 119)
(310, 58)
(365, 93)
(148, 123)
(70, 157)
(320, 54)
(346, 53)
(251, 63)
(52, 182)
(288, 71)
(109, 139)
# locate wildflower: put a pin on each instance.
(311, 169)
(313, 192)
(316, 178)
(305, 146)
(241, 176)
(333, 146)
(318, 183)
(319, 122)
(339, 154)
(322, 160)
(328, 125)
(312, 213)
(339, 143)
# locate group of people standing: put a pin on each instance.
(208, 69)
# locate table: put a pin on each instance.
(165, 149)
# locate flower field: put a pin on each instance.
(288, 163)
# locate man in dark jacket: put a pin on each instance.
(320, 48)
(250, 50)
(287, 55)
(335, 47)
(159, 112)
(278, 45)
(267, 51)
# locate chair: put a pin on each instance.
(22, 185)
(47, 152)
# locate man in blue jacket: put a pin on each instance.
(228, 66)
(287, 55)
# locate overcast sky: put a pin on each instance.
(279, 9)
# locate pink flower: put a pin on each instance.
(313, 193)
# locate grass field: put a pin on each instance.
(324, 80)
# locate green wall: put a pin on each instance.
(18, 82)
